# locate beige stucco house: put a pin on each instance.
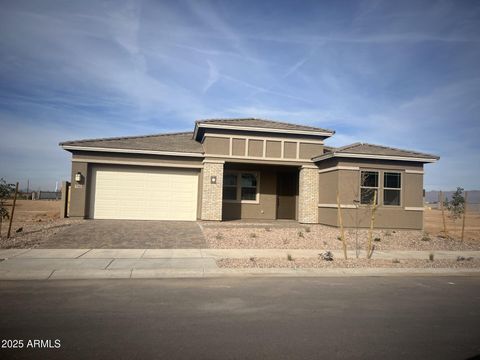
(246, 169)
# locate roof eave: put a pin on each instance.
(376, 157)
(195, 131)
(199, 124)
(131, 151)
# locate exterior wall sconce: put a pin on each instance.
(213, 179)
(78, 177)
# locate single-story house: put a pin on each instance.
(246, 169)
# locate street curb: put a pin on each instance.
(93, 274)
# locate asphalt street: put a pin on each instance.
(243, 318)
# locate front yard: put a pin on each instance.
(37, 223)
(238, 235)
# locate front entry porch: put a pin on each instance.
(259, 192)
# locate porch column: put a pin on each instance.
(212, 188)
(308, 195)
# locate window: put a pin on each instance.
(368, 186)
(230, 187)
(249, 187)
(392, 184)
(238, 186)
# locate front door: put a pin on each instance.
(286, 195)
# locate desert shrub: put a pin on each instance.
(377, 239)
(425, 237)
(253, 235)
(431, 257)
(300, 234)
(289, 257)
(307, 229)
(456, 205)
(396, 261)
(6, 191)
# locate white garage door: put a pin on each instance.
(143, 194)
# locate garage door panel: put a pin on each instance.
(152, 194)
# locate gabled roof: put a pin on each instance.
(181, 142)
(371, 151)
(253, 124)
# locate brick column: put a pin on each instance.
(212, 192)
(308, 195)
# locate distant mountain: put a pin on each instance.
(432, 196)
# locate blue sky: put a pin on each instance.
(399, 73)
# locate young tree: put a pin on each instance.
(6, 191)
(456, 205)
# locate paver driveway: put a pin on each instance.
(123, 234)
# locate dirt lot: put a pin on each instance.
(433, 224)
(33, 223)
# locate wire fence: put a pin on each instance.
(471, 206)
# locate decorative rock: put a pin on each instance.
(327, 256)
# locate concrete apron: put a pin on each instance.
(43, 264)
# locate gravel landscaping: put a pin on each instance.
(34, 234)
(341, 263)
(326, 238)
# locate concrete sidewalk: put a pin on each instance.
(218, 253)
(19, 264)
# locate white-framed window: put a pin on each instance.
(392, 188)
(369, 184)
(241, 187)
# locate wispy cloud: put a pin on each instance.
(213, 76)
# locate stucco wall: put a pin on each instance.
(384, 218)
(290, 150)
(216, 145)
(255, 148)
(347, 181)
(79, 191)
(135, 159)
(217, 142)
(274, 149)
(308, 151)
(238, 147)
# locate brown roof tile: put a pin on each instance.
(262, 123)
(176, 142)
(380, 150)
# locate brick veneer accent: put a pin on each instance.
(308, 195)
(212, 193)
